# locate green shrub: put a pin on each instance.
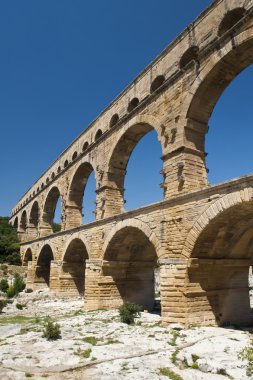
(2, 305)
(18, 283)
(169, 373)
(91, 340)
(128, 312)
(52, 331)
(19, 306)
(10, 292)
(4, 285)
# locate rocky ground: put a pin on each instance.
(97, 344)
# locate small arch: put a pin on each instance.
(23, 221)
(133, 104)
(66, 163)
(34, 215)
(190, 55)
(27, 257)
(38, 189)
(98, 135)
(85, 146)
(230, 19)
(73, 268)
(42, 185)
(15, 224)
(59, 169)
(157, 82)
(114, 120)
(74, 157)
(42, 273)
(49, 209)
(76, 193)
(52, 175)
(47, 180)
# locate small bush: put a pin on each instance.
(247, 354)
(10, 292)
(128, 312)
(28, 290)
(4, 285)
(18, 284)
(28, 374)
(86, 353)
(52, 331)
(195, 365)
(19, 306)
(2, 305)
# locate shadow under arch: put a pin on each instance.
(76, 193)
(120, 156)
(72, 278)
(27, 257)
(129, 260)
(42, 272)
(49, 210)
(218, 268)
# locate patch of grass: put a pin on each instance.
(247, 354)
(195, 358)
(91, 340)
(112, 341)
(124, 366)
(16, 319)
(93, 358)
(175, 334)
(86, 353)
(174, 356)
(170, 374)
(222, 371)
(195, 365)
(28, 374)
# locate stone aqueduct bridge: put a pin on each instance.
(201, 235)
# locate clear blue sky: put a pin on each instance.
(63, 61)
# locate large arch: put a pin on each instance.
(120, 155)
(76, 193)
(49, 209)
(72, 278)
(129, 261)
(221, 255)
(42, 272)
(23, 222)
(215, 73)
(34, 219)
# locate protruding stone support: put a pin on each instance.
(218, 292)
(73, 216)
(173, 273)
(54, 284)
(30, 275)
(109, 202)
(93, 298)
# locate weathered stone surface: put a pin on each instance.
(113, 258)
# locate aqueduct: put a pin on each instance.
(201, 236)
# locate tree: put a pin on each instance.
(9, 246)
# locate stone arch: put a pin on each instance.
(134, 223)
(114, 120)
(42, 272)
(76, 193)
(34, 215)
(85, 146)
(130, 258)
(49, 209)
(157, 82)
(191, 54)
(28, 256)
(23, 222)
(15, 224)
(133, 104)
(230, 19)
(72, 279)
(121, 152)
(98, 134)
(205, 91)
(220, 251)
